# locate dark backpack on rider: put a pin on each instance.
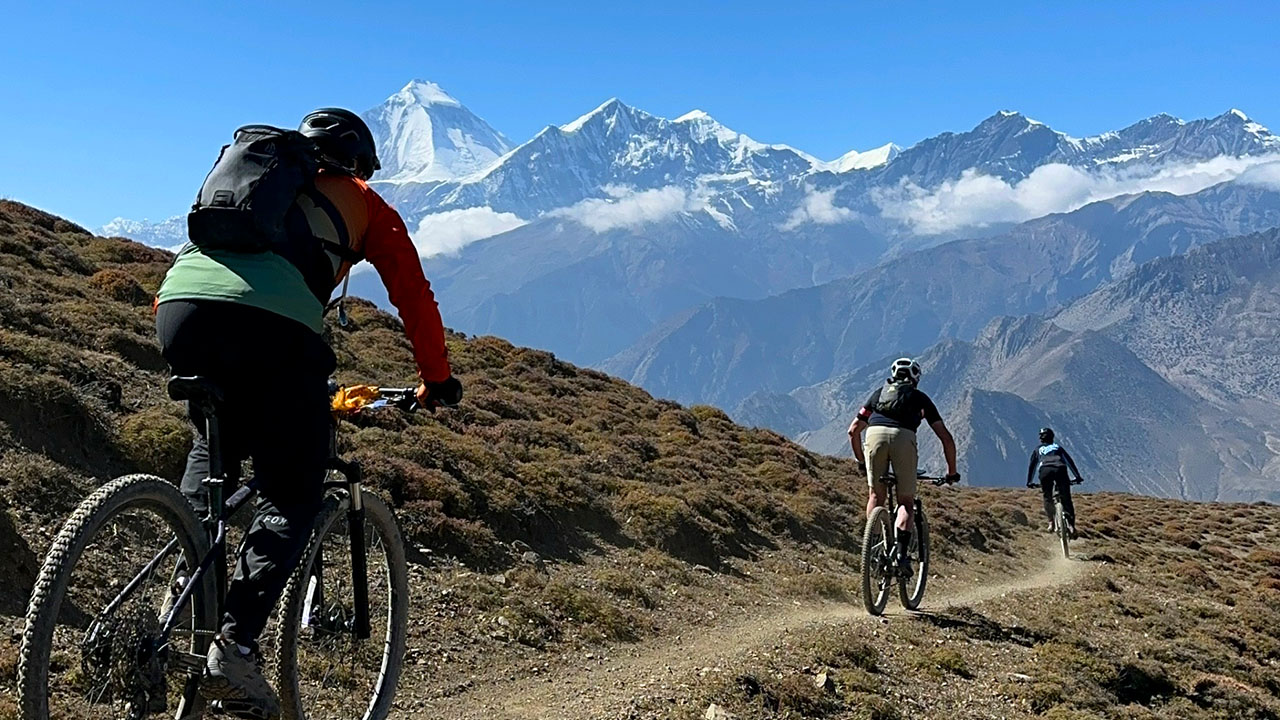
(242, 204)
(255, 200)
(895, 400)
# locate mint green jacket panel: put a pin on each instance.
(262, 280)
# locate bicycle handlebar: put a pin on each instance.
(347, 400)
(405, 398)
(924, 475)
(1037, 483)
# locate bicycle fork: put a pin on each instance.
(359, 552)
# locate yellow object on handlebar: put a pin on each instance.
(353, 399)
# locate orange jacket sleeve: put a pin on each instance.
(388, 247)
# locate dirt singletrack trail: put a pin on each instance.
(595, 685)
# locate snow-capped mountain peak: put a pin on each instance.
(427, 93)
(617, 145)
(1247, 125)
(1004, 120)
(704, 128)
(855, 160)
(609, 111)
(169, 234)
(426, 136)
(693, 115)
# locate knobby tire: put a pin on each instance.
(292, 681)
(132, 492)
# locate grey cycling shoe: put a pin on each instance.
(233, 681)
(904, 565)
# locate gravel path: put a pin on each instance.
(608, 684)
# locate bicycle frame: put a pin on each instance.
(220, 479)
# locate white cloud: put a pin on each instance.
(976, 200)
(627, 207)
(449, 231)
(819, 208)
(1266, 175)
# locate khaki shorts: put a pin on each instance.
(885, 445)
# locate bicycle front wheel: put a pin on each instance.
(911, 589)
(92, 646)
(1064, 532)
(324, 671)
(877, 575)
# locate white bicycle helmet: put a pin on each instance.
(905, 369)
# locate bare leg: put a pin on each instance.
(906, 505)
(875, 499)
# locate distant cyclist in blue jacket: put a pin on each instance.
(1053, 460)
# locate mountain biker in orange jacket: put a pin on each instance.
(891, 416)
(251, 322)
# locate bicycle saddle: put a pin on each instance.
(196, 389)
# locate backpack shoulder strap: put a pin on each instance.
(342, 248)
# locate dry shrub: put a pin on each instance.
(1010, 514)
(656, 518)
(941, 661)
(1264, 556)
(583, 606)
(157, 441)
(1180, 537)
(1193, 573)
(426, 525)
(625, 585)
(120, 286)
(41, 485)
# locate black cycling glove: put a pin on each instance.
(446, 392)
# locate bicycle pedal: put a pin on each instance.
(238, 709)
(187, 663)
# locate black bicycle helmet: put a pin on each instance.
(344, 139)
(1046, 435)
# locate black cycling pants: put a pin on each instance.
(274, 373)
(1051, 478)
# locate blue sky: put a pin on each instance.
(119, 109)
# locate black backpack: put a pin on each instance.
(895, 400)
(241, 206)
(255, 198)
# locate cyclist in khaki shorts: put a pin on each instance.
(891, 417)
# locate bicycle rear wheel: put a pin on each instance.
(90, 648)
(877, 576)
(911, 590)
(1064, 532)
(324, 671)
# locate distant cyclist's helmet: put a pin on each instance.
(344, 139)
(1046, 435)
(905, 369)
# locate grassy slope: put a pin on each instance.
(652, 518)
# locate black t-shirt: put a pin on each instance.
(918, 407)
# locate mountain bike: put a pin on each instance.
(1061, 527)
(879, 562)
(129, 596)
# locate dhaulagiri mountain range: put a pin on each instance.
(580, 549)
(708, 267)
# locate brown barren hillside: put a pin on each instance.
(583, 550)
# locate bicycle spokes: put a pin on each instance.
(334, 664)
(108, 658)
